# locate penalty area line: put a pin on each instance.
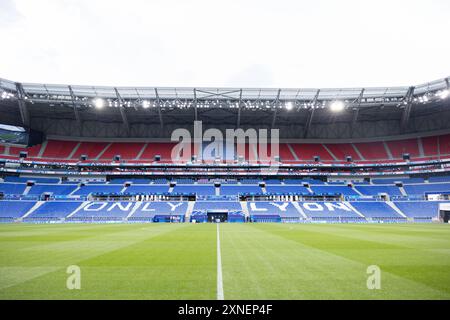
(219, 269)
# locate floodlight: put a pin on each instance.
(444, 93)
(337, 106)
(145, 104)
(289, 105)
(99, 103)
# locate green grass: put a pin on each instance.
(259, 261)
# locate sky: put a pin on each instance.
(226, 43)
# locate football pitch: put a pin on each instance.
(250, 261)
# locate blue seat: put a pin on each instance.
(147, 189)
(55, 209)
(15, 209)
(12, 188)
(56, 189)
(277, 208)
(327, 210)
(370, 190)
(235, 190)
(287, 189)
(376, 209)
(217, 206)
(421, 189)
(88, 189)
(419, 209)
(345, 190)
(203, 190)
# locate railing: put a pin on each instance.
(284, 197)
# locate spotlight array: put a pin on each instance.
(444, 94)
(337, 104)
(6, 95)
(99, 103)
(432, 96)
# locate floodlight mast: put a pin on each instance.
(122, 112)
(24, 113)
(311, 114)
(407, 110)
(277, 99)
(158, 102)
(75, 111)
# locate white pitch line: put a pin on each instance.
(219, 269)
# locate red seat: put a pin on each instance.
(139, 152)
(444, 144)
(399, 147)
(126, 150)
(91, 149)
(59, 149)
(372, 150)
(164, 149)
(307, 151)
(430, 146)
(342, 150)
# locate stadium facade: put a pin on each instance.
(105, 154)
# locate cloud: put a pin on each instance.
(252, 74)
(8, 13)
(283, 43)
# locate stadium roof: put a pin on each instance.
(97, 111)
(303, 97)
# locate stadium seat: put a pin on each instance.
(217, 206)
(372, 150)
(88, 189)
(419, 209)
(275, 208)
(54, 210)
(306, 151)
(12, 188)
(197, 189)
(376, 190)
(61, 150)
(15, 209)
(57, 149)
(235, 190)
(376, 210)
(328, 210)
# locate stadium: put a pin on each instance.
(214, 159)
(356, 177)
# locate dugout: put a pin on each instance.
(444, 212)
(217, 216)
